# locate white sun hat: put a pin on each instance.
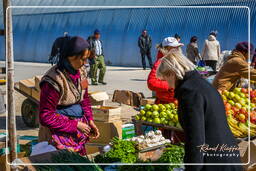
(171, 41)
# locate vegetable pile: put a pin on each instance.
(151, 139)
(121, 151)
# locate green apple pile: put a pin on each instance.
(160, 114)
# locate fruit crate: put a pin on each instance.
(176, 135)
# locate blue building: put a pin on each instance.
(35, 29)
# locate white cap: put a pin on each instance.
(171, 41)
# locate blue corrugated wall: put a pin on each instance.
(120, 28)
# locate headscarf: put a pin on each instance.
(75, 46)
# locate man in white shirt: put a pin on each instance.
(98, 61)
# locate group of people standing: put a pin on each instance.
(66, 115)
(210, 53)
(201, 110)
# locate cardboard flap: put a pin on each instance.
(99, 96)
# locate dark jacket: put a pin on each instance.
(144, 43)
(58, 47)
(202, 116)
(91, 41)
(192, 52)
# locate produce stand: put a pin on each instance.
(29, 108)
(173, 133)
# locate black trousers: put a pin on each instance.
(211, 63)
(143, 60)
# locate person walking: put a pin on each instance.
(202, 115)
(98, 61)
(145, 44)
(211, 50)
(192, 50)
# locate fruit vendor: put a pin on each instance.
(65, 110)
(201, 114)
(235, 68)
(164, 94)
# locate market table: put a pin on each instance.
(176, 135)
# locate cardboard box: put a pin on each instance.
(26, 86)
(106, 113)
(92, 148)
(35, 94)
(244, 153)
(98, 98)
(147, 101)
(3, 164)
(37, 82)
(108, 130)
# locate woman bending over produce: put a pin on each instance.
(65, 108)
(201, 114)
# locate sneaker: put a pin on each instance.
(102, 82)
(94, 83)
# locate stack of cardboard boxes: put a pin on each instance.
(107, 119)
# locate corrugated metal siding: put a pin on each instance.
(34, 34)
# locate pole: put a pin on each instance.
(10, 80)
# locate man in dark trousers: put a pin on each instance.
(145, 44)
(98, 62)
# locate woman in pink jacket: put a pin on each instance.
(65, 109)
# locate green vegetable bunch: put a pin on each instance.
(172, 154)
(121, 151)
(68, 157)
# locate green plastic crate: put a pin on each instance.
(128, 131)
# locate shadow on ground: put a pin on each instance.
(132, 69)
(138, 80)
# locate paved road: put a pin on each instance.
(122, 78)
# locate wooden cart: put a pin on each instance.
(176, 135)
(29, 109)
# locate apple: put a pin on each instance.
(157, 120)
(176, 102)
(235, 109)
(231, 95)
(241, 117)
(155, 114)
(149, 114)
(244, 90)
(148, 106)
(237, 98)
(142, 112)
(228, 106)
(238, 105)
(230, 112)
(163, 115)
(155, 107)
(226, 93)
(224, 97)
(237, 90)
(242, 95)
(242, 102)
(143, 118)
(231, 102)
(137, 117)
